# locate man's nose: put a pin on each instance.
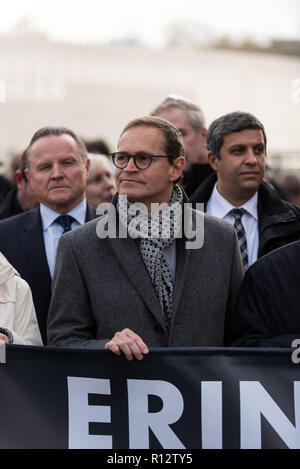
(131, 166)
(57, 172)
(251, 157)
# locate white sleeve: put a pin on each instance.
(26, 330)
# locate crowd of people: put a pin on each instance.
(177, 239)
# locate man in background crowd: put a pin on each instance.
(101, 186)
(189, 120)
(97, 146)
(20, 197)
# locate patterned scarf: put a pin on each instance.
(157, 231)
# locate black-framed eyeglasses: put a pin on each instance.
(142, 160)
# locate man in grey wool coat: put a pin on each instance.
(150, 272)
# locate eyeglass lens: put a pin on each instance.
(142, 160)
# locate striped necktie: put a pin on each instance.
(237, 213)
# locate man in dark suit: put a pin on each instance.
(134, 271)
(57, 169)
(237, 192)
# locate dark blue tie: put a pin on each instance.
(65, 221)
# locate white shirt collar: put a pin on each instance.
(222, 207)
(48, 215)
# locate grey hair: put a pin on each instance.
(195, 115)
(56, 132)
(227, 124)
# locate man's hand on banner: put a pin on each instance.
(129, 343)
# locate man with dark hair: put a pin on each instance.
(143, 283)
(57, 170)
(20, 198)
(189, 120)
(236, 146)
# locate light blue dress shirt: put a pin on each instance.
(53, 231)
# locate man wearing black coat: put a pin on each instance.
(267, 313)
(237, 150)
(57, 170)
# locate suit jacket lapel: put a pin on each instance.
(132, 263)
(90, 213)
(32, 241)
(182, 259)
(183, 256)
(131, 260)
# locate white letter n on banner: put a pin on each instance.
(255, 402)
(140, 419)
(81, 413)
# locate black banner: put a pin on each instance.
(174, 399)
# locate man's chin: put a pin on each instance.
(130, 194)
(250, 187)
(61, 204)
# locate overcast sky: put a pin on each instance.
(105, 20)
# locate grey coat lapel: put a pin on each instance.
(182, 259)
(132, 263)
(183, 255)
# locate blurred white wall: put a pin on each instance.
(96, 90)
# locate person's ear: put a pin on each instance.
(88, 165)
(178, 165)
(19, 179)
(203, 131)
(27, 174)
(213, 160)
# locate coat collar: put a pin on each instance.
(90, 213)
(271, 209)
